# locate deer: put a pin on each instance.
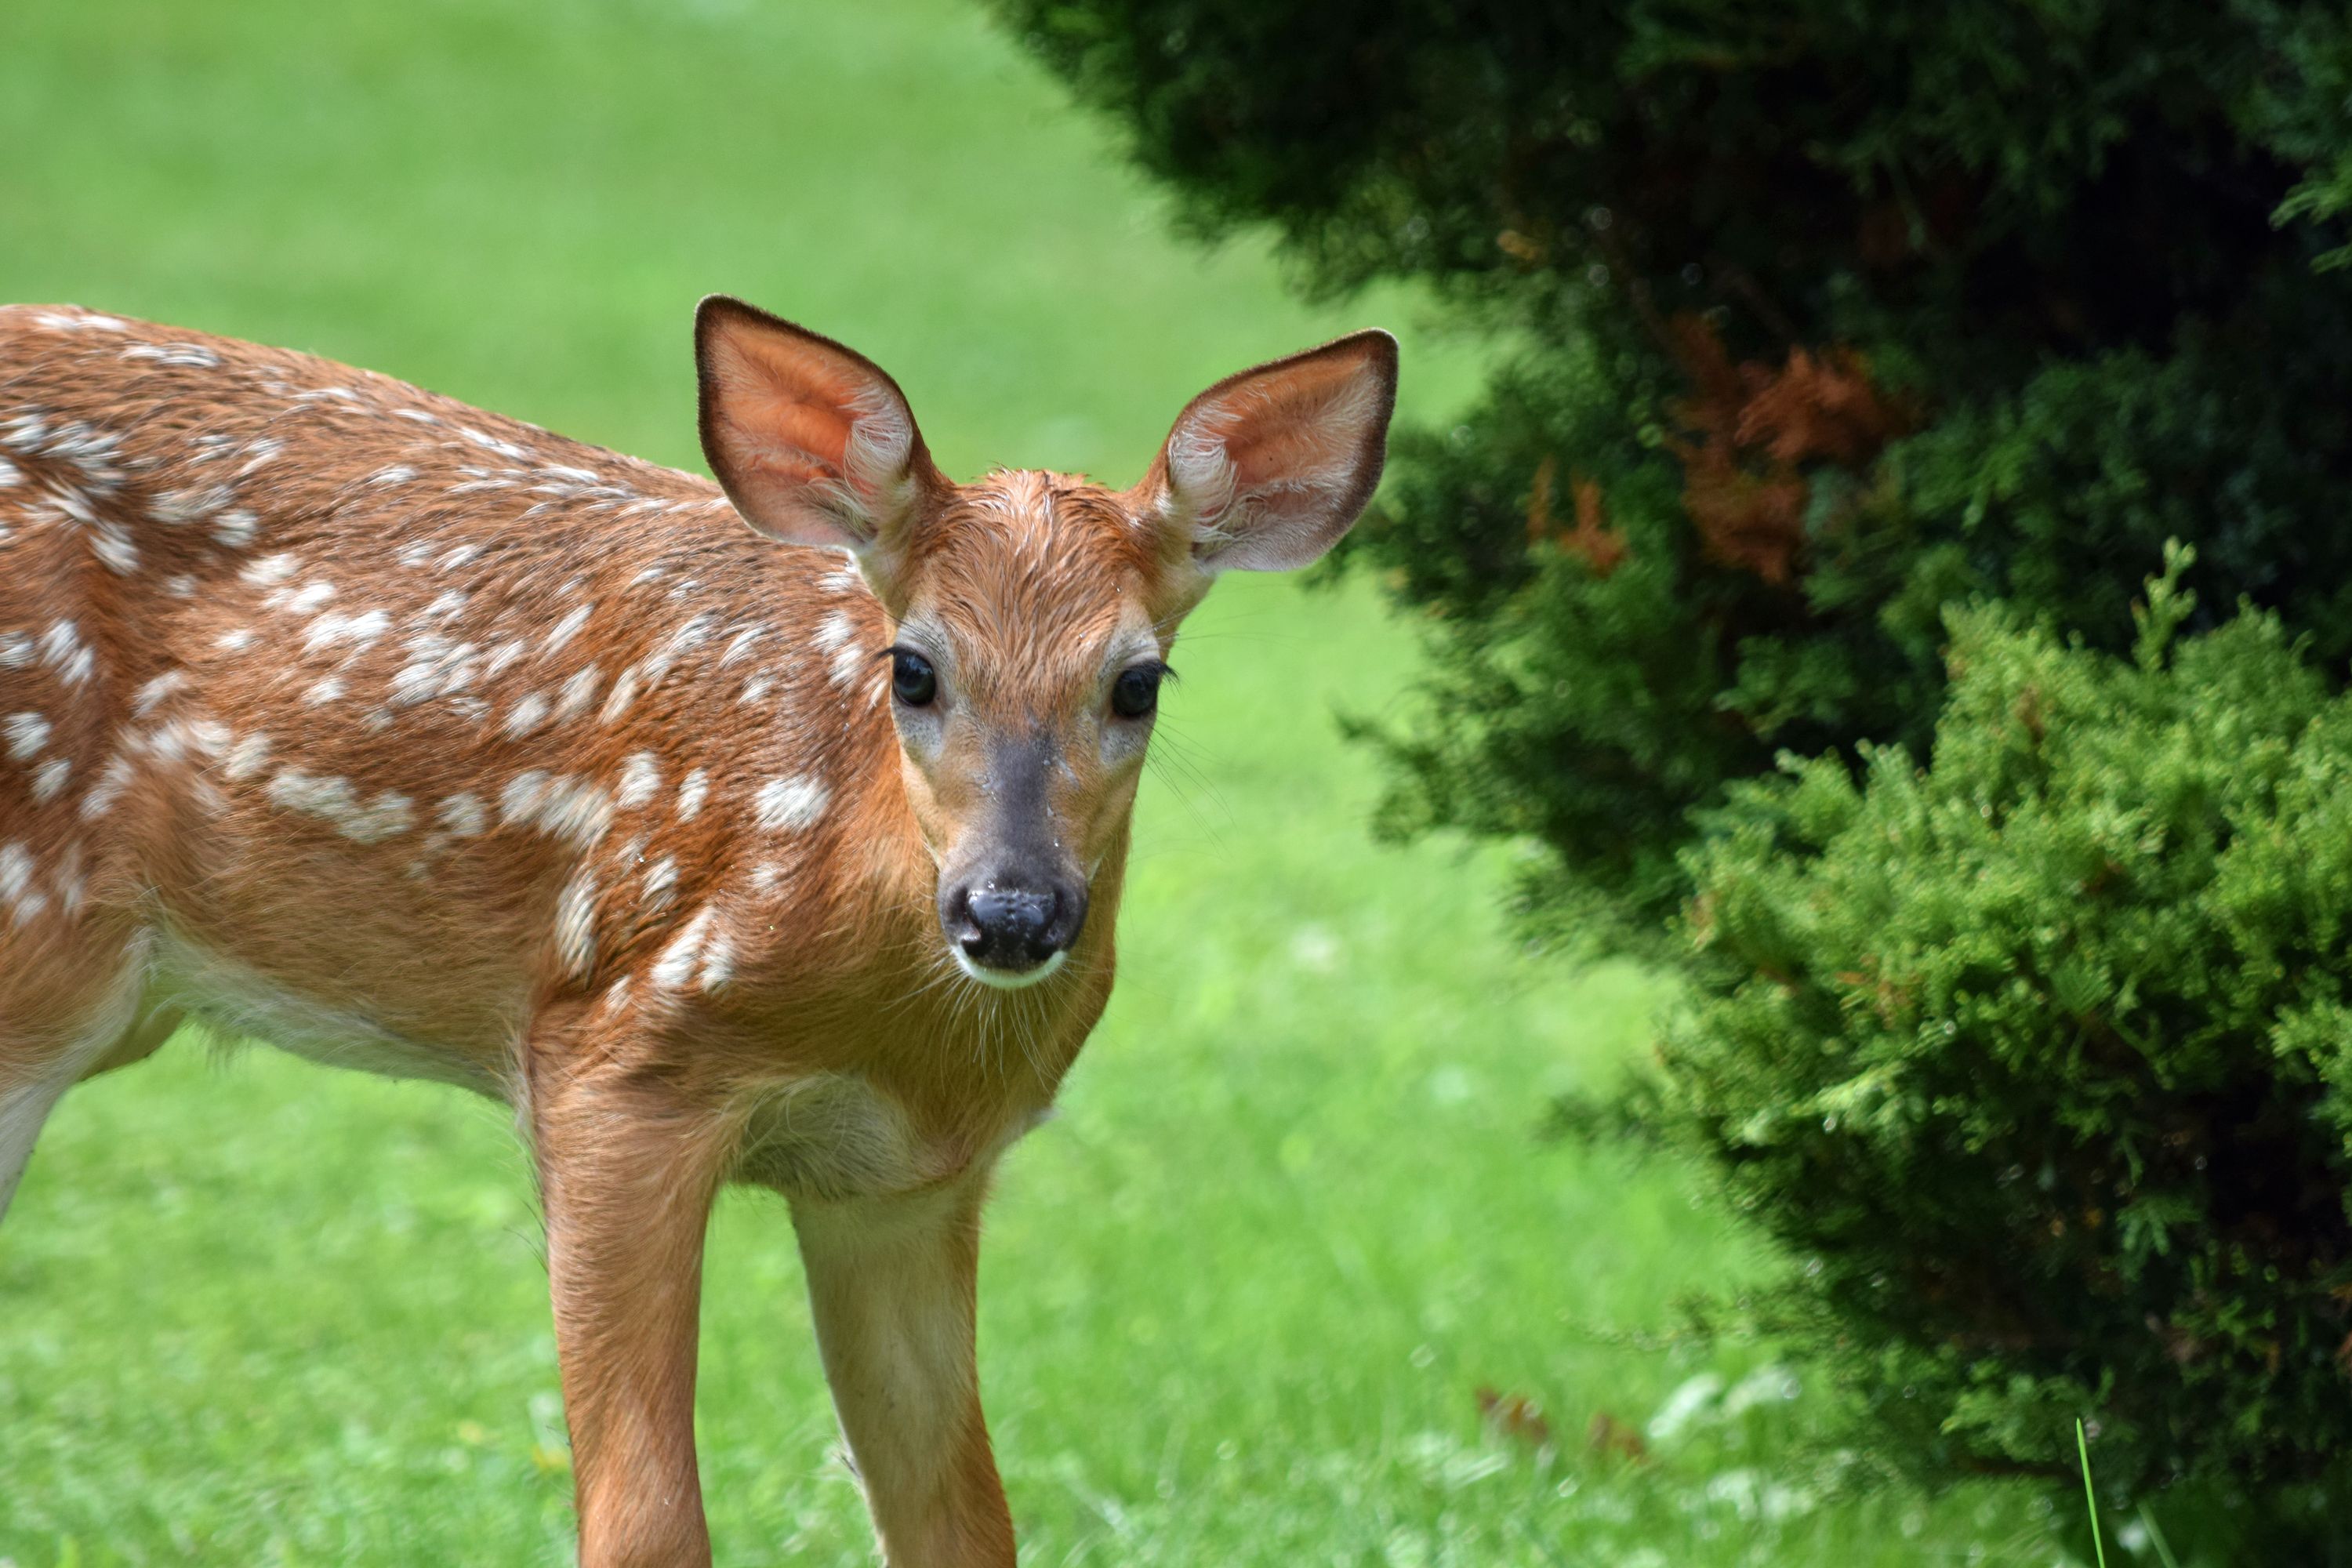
(768, 831)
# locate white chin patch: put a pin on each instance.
(1005, 979)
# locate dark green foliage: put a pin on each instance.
(1829, 311)
(2039, 1059)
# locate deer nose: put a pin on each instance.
(1013, 927)
(1009, 926)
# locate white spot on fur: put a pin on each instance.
(519, 800)
(112, 781)
(311, 595)
(151, 694)
(271, 570)
(174, 508)
(335, 801)
(695, 632)
(527, 715)
(849, 666)
(791, 804)
(245, 758)
(835, 632)
(436, 667)
(718, 962)
(661, 883)
(26, 734)
(193, 355)
(739, 646)
(16, 881)
(62, 649)
(81, 321)
(563, 805)
(112, 547)
(640, 780)
(328, 690)
(576, 810)
(566, 629)
(575, 925)
(463, 814)
(174, 740)
(491, 443)
(623, 692)
(676, 965)
(236, 639)
(691, 791)
(505, 654)
(49, 780)
(71, 885)
(236, 527)
(258, 452)
(398, 474)
(578, 695)
(360, 630)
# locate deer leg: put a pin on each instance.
(45, 1049)
(891, 1281)
(628, 1167)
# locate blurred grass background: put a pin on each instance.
(1239, 1299)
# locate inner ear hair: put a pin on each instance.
(1270, 468)
(812, 441)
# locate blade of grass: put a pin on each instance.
(2082, 1446)
(2156, 1538)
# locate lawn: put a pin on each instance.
(1240, 1298)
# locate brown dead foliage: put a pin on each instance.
(1751, 432)
(1515, 1416)
(1607, 1436)
(1602, 548)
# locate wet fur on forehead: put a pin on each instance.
(1040, 570)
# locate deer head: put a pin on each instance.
(1032, 614)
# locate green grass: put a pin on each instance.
(1238, 1299)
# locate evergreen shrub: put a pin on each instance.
(2037, 1058)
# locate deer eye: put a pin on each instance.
(912, 679)
(1136, 693)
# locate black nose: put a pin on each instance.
(1013, 925)
(1010, 928)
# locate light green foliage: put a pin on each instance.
(1238, 1299)
(2037, 1058)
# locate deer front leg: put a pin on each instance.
(628, 1170)
(892, 1284)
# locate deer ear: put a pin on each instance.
(812, 441)
(1270, 468)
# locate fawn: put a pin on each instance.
(408, 737)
